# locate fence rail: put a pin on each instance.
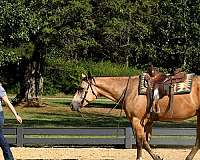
(96, 136)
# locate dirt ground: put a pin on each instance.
(26, 153)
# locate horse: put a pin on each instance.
(124, 90)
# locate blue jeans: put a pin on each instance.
(3, 142)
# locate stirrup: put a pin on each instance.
(158, 110)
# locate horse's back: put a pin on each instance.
(184, 106)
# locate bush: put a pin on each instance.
(110, 69)
(64, 75)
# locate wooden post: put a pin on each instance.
(128, 137)
(20, 136)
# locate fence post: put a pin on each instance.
(128, 137)
(20, 136)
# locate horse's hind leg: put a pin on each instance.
(142, 137)
(148, 130)
(196, 147)
(149, 150)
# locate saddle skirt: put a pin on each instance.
(180, 85)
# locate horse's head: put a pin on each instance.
(85, 93)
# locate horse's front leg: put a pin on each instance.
(139, 136)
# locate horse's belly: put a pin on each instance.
(181, 109)
(175, 117)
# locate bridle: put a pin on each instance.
(123, 95)
(86, 91)
(121, 99)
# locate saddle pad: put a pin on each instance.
(179, 88)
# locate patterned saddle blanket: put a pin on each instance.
(179, 88)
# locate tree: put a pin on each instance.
(128, 32)
(38, 27)
(19, 29)
(76, 29)
(122, 29)
(175, 33)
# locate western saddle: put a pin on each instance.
(159, 85)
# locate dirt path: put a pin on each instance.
(94, 154)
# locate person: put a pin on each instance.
(3, 142)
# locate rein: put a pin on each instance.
(123, 95)
(121, 98)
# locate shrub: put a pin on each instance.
(64, 75)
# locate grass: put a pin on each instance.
(59, 114)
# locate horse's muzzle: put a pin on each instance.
(72, 108)
(75, 106)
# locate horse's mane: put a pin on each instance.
(115, 76)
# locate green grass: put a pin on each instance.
(59, 114)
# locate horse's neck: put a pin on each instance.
(112, 88)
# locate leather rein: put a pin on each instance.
(122, 97)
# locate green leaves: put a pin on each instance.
(171, 26)
(7, 56)
(122, 31)
(13, 55)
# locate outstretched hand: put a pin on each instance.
(19, 119)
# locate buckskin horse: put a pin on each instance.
(125, 91)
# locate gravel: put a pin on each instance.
(26, 153)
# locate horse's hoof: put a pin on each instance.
(188, 158)
(158, 158)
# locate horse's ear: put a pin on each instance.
(83, 76)
(89, 75)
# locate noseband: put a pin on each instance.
(86, 91)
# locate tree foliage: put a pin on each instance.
(131, 33)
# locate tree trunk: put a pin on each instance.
(31, 84)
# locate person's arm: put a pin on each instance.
(6, 100)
